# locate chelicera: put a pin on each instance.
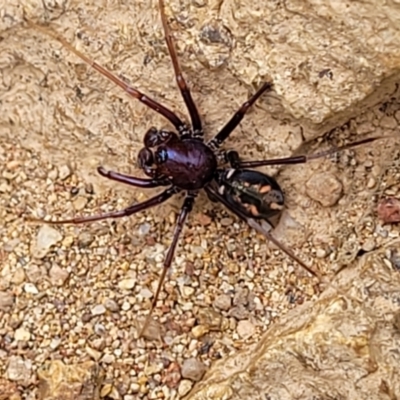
(181, 160)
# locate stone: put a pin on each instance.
(223, 302)
(21, 334)
(58, 275)
(60, 381)
(64, 172)
(19, 370)
(245, 329)
(193, 369)
(324, 331)
(184, 387)
(98, 309)
(45, 239)
(85, 239)
(6, 301)
(127, 284)
(325, 188)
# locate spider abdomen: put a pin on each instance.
(189, 164)
(255, 194)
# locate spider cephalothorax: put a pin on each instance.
(182, 161)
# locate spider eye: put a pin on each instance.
(152, 138)
(161, 156)
(145, 158)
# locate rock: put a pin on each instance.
(19, 370)
(60, 381)
(45, 239)
(193, 369)
(325, 188)
(95, 354)
(80, 203)
(245, 329)
(98, 309)
(209, 318)
(241, 297)
(85, 239)
(6, 301)
(64, 172)
(223, 302)
(21, 334)
(18, 276)
(111, 305)
(58, 275)
(108, 358)
(239, 312)
(144, 229)
(127, 284)
(184, 387)
(30, 288)
(350, 315)
(199, 330)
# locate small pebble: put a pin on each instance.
(135, 387)
(245, 329)
(184, 387)
(58, 275)
(99, 309)
(126, 284)
(6, 301)
(199, 330)
(223, 302)
(46, 237)
(93, 353)
(64, 172)
(388, 122)
(193, 369)
(85, 239)
(31, 288)
(369, 244)
(22, 335)
(320, 253)
(226, 221)
(144, 229)
(19, 369)
(108, 358)
(18, 276)
(146, 293)
(111, 305)
(325, 188)
(80, 203)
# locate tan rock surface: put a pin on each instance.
(344, 345)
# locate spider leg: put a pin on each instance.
(131, 180)
(185, 91)
(164, 111)
(255, 225)
(224, 133)
(233, 158)
(160, 198)
(185, 211)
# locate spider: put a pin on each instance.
(182, 161)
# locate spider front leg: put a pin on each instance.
(185, 211)
(132, 180)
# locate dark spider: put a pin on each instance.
(182, 161)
